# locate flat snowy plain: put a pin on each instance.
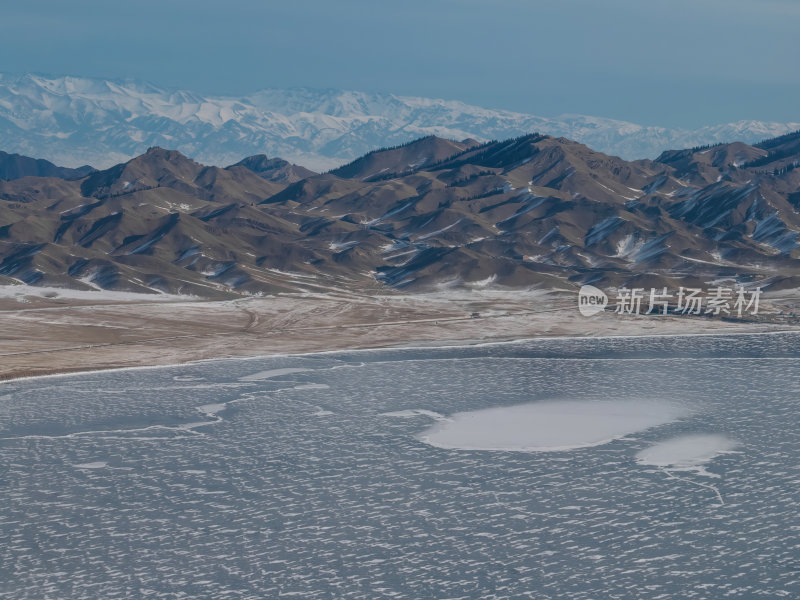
(555, 468)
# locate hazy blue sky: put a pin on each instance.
(669, 62)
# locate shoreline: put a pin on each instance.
(410, 345)
(37, 341)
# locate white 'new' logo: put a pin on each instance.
(591, 300)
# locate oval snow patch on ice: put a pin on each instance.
(686, 451)
(549, 426)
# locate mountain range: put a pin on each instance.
(75, 121)
(528, 211)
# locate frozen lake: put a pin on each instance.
(581, 469)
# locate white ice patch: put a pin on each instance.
(549, 426)
(92, 465)
(405, 414)
(212, 409)
(687, 452)
(312, 386)
(271, 373)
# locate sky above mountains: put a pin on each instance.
(681, 63)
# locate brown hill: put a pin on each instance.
(535, 210)
(392, 162)
(16, 166)
(273, 169)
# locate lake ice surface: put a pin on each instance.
(306, 476)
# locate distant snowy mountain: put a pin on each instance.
(74, 121)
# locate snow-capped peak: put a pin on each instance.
(75, 120)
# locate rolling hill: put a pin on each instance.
(528, 211)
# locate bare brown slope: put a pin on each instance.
(390, 162)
